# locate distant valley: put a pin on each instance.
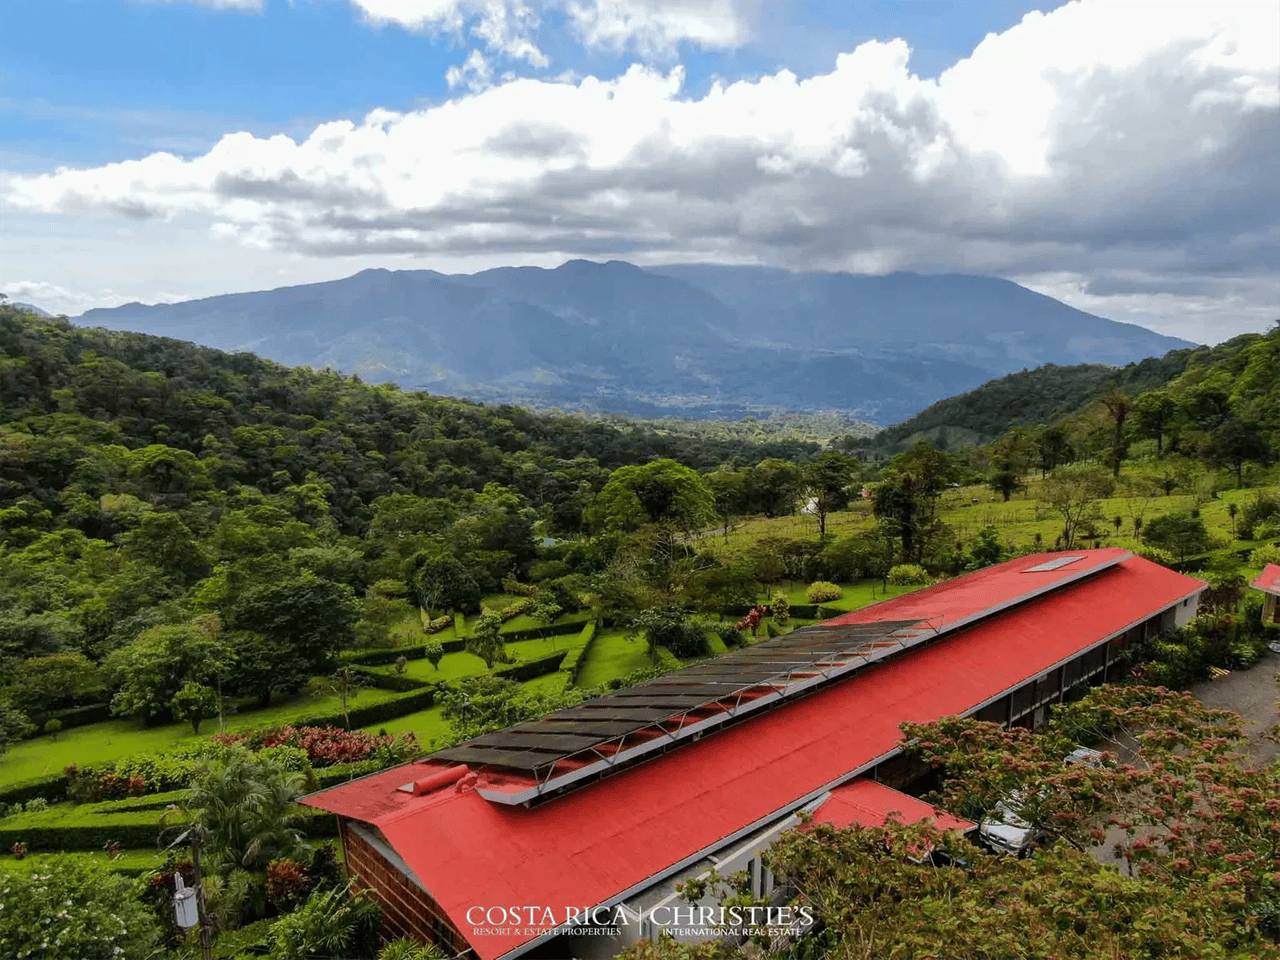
(693, 341)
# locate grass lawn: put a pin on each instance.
(429, 725)
(129, 861)
(856, 596)
(426, 725)
(456, 666)
(99, 743)
(612, 655)
(967, 510)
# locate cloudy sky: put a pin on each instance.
(1121, 155)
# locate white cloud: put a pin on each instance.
(58, 300)
(507, 27)
(1094, 139)
(250, 5)
(658, 26)
(475, 74)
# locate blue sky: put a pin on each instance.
(1116, 154)
(95, 81)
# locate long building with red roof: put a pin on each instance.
(565, 836)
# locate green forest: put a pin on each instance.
(225, 583)
(1051, 393)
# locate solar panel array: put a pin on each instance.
(610, 729)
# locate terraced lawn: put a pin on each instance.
(129, 861)
(429, 725)
(456, 666)
(612, 655)
(856, 596)
(104, 742)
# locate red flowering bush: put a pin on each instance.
(325, 746)
(287, 884)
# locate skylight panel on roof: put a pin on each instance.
(1053, 564)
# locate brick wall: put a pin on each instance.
(407, 909)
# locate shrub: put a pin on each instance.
(518, 589)
(1156, 555)
(439, 623)
(322, 746)
(433, 651)
(1179, 533)
(52, 727)
(726, 631)
(1266, 530)
(671, 627)
(822, 592)
(1263, 507)
(780, 606)
(323, 871)
(905, 574)
(287, 884)
(37, 805)
(407, 949)
(98, 913)
(331, 923)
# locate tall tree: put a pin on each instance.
(1011, 457)
(662, 493)
(1054, 448)
(1154, 411)
(1118, 409)
(1074, 491)
(825, 484)
(153, 668)
(311, 617)
(906, 498)
(485, 640)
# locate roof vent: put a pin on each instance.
(1053, 564)
(444, 778)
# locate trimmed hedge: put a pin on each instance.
(150, 801)
(83, 828)
(342, 772)
(401, 683)
(73, 717)
(572, 663)
(388, 656)
(52, 788)
(367, 716)
(812, 611)
(1202, 560)
(532, 668)
(541, 633)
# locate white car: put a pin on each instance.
(1086, 755)
(1005, 831)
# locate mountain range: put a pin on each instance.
(694, 340)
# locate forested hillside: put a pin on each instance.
(1031, 396)
(1243, 366)
(212, 420)
(147, 482)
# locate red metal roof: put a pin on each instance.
(984, 591)
(1269, 580)
(596, 843)
(871, 804)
